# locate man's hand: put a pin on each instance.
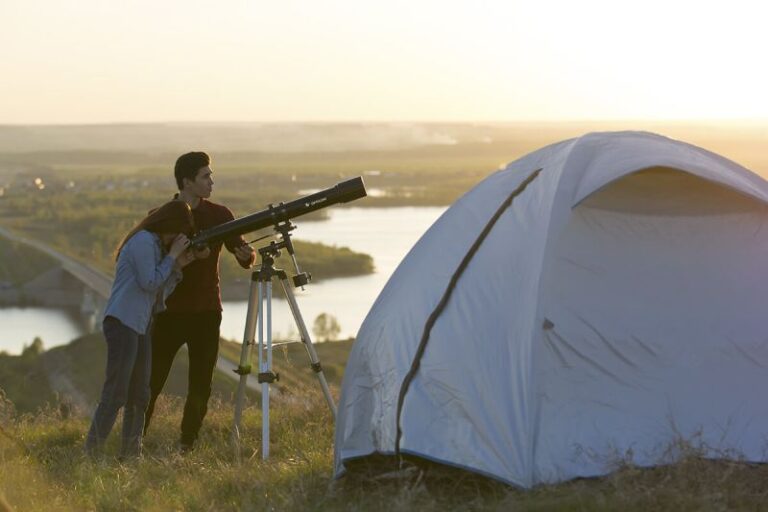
(201, 253)
(244, 254)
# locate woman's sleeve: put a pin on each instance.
(168, 287)
(151, 274)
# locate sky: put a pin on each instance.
(102, 61)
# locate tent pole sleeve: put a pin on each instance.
(446, 297)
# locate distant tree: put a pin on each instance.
(35, 349)
(326, 327)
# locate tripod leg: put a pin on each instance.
(265, 365)
(316, 367)
(245, 360)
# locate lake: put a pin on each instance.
(387, 234)
(53, 326)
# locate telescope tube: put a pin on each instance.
(342, 192)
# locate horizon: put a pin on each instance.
(739, 141)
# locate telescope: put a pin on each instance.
(273, 215)
(259, 312)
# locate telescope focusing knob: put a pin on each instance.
(301, 279)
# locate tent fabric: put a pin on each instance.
(415, 365)
(616, 307)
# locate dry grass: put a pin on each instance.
(42, 468)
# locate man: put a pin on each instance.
(193, 310)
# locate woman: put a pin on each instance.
(148, 263)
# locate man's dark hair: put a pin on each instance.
(187, 166)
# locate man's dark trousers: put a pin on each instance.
(200, 331)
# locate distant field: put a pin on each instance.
(94, 182)
(415, 163)
(330, 150)
(88, 224)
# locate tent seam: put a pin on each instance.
(432, 319)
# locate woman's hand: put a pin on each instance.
(178, 246)
(201, 253)
(192, 254)
(185, 258)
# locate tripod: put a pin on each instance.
(259, 296)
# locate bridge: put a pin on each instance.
(59, 285)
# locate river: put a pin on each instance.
(387, 234)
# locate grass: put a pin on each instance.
(22, 373)
(45, 450)
(42, 468)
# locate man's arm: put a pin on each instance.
(237, 245)
(245, 255)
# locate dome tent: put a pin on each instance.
(597, 299)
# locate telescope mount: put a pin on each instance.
(259, 314)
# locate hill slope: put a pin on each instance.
(73, 374)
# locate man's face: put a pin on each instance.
(202, 185)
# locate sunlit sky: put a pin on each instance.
(96, 61)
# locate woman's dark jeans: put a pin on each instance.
(129, 361)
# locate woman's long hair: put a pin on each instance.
(172, 217)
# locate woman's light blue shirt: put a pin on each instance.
(143, 271)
